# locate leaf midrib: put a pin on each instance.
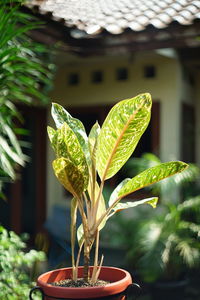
(119, 139)
(143, 186)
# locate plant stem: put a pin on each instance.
(73, 234)
(95, 227)
(75, 271)
(99, 268)
(86, 260)
(96, 258)
(96, 205)
(86, 241)
(87, 204)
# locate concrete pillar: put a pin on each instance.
(171, 113)
(54, 188)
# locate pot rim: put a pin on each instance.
(115, 287)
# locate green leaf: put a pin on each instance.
(53, 136)
(121, 132)
(124, 205)
(60, 116)
(23, 70)
(92, 139)
(6, 165)
(57, 145)
(69, 176)
(65, 143)
(151, 176)
(12, 138)
(12, 154)
(80, 234)
(114, 196)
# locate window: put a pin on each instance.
(149, 72)
(122, 74)
(97, 76)
(73, 79)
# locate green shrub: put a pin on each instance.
(16, 266)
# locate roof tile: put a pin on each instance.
(117, 15)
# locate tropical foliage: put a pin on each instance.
(170, 242)
(23, 70)
(164, 245)
(81, 158)
(16, 266)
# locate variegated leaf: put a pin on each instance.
(114, 196)
(93, 135)
(61, 116)
(151, 176)
(121, 132)
(69, 176)
(66, 145)
(124, 205)
(53, 135)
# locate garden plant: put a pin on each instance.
(25, 74)
(164, 246)
(84, 163)
(16, 266)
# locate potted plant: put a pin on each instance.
(82, 165)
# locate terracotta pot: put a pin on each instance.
(121, 284)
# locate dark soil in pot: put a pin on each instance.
(79, 283)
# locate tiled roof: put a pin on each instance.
(115, 16)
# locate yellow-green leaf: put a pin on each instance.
(69, 176)
(124, 205)
(53, 134)
(115, 194)
(151, 176)
(66, 144)
(61, 116)
(92, 139)
(121, 132)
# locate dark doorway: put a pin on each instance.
(26, 198)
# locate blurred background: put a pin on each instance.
(86, 56)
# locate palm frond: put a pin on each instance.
(190, 204)
(23, 71)
(189, 252)
(193, 227)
